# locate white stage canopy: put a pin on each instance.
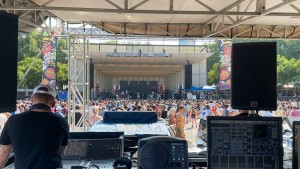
(180, 18)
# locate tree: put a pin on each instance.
(34, 76)
(61, 57)
(29, 44)
(62, 74)
(288, 48)
(213, 74)
(214, 58)
(288, 70)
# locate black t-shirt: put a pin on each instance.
(36, 138)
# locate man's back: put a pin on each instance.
(36, 138)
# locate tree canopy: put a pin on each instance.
(288, 60)
(30, 46)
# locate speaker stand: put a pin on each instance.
(253, 113)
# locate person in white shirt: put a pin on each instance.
(58, 110)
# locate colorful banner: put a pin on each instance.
(49, 59)
(225, 67)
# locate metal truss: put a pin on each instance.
(230, 22)
(78, 83)
(133, 9)
(242, 31)
(28, 19)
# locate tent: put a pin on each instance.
(195, 88)
(207, 88)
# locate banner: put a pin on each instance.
(225, 66)
(49, 59)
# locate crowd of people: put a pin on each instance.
(176, 112)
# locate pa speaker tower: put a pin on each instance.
(253, 78)
(8, 63)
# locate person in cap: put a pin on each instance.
(37, 136)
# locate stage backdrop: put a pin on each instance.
(225, 66)
(49, 59)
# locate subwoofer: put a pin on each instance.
(253, 76)
(9, 60)
(162, 152)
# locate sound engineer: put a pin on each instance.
(37, 136)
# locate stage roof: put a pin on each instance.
(143, 66)
(173, 18)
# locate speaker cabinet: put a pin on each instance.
(8, 63)
(188, 76)
(92, 74)
(162, 152)
(253, 78)
(124, 85)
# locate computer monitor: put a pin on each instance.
(98, 149)
(296, 144)
(244, 142)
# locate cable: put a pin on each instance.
(194, 166)
(90, 167)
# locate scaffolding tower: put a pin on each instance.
(78, 82)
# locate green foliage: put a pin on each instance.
(213, 74)
(215, 58)
(62, 74)
(29, 46)
(34, 76)
(61, 57)
(289, 48)
(288, 60)
(288, 70)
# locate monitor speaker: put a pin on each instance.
(162, 152)
(253, 78)
(8, 63)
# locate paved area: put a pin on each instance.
(191, 134)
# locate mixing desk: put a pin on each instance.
(105, 164)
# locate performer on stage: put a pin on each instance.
(38, 137)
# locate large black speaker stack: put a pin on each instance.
(8, 61)
(253, 78)
(188, 76)
(92, 74)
